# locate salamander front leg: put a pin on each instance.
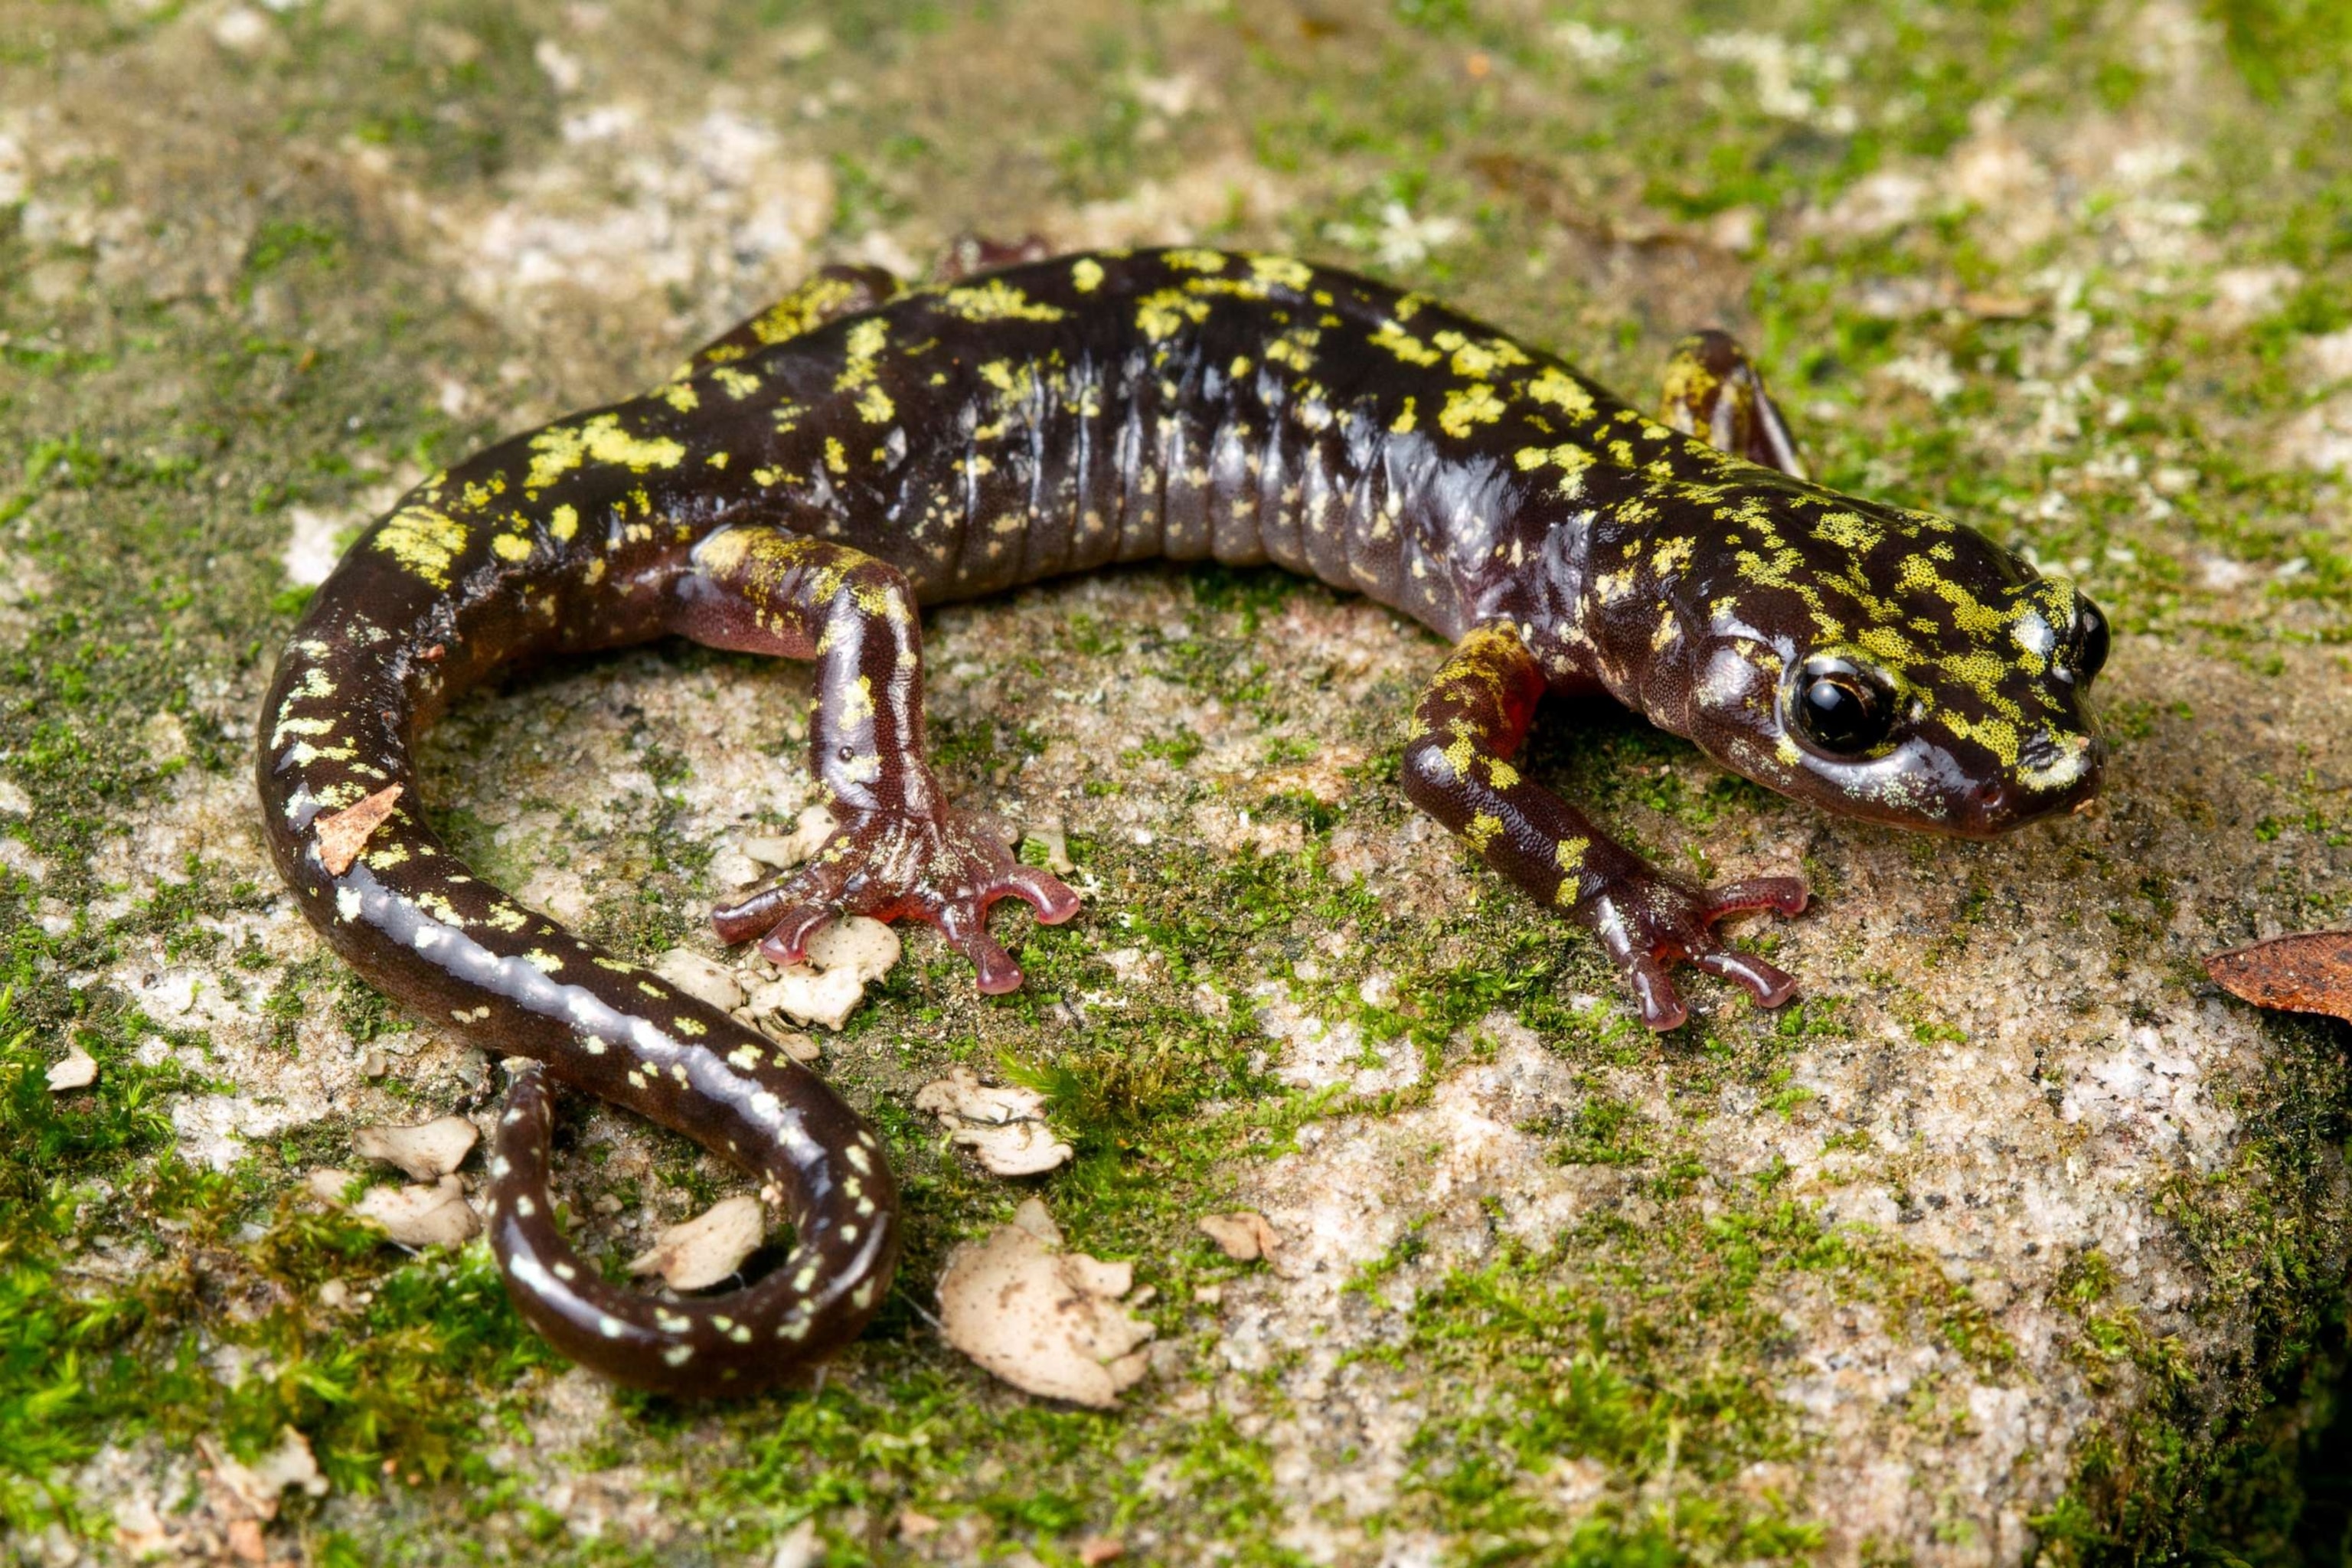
(901, 850)
(1458, 769)
(1713, 392)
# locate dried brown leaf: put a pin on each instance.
(343, 834)
(2309, 972)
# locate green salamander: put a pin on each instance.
(807, 483)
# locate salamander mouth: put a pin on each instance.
(1998, 806)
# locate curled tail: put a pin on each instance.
(345, 827)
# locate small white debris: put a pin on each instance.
(867, 948)
(310, 551)
(1048, 1322)
(374, 1064)
(2320, 437)
(842, 958)
(810, 830)
(1050, 833)
(798, 1547)
(1244, 1235)
(559, 66)
(328, 1186)
(2328, 357)
(13, 800)
(732, 868)
(253, 1491)
(1006, 1127)
(800, 1048)
(437, 1215)
(240, 30)
(78, 1070)
(2243, 294)
(704, 979)
(702, 1251)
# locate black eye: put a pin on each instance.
(1840, 709)
(2090, 641)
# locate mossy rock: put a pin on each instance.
(2013, 1239)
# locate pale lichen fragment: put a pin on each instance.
(425, 1152)
(1048, 1321)
(700, 1252)
(1005, 1127)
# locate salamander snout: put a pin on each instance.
(2054, 772)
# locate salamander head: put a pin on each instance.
(1895, 667)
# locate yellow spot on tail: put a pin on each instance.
(1562, 391)
(563, 523)
(1085, 274)
(796, 313)
(1570, 855)
(1479, 357)
(423, 540)
(1163, 314)
(1283, 272)
(1295, 348)
(1195, 260)
(1466, 406)
(681, 396)
(1571, 460)
(1403, 423)
(997, 300)
(560, 448)
(875, 406)
(1404, 345)
(738, 385)
(512, 547)
(1482, 831)
(835, 457)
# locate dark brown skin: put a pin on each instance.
(811, 478)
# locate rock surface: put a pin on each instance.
(2014, 1236)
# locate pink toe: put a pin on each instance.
(788, 942)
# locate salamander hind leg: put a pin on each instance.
(901, 849)
(1458, 769)
(1715, 392)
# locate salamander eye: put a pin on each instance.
(2090, 640)
(1841, 710)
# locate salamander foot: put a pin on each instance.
(1648, 922)
(945, 868)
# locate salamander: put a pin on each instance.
(805, 484)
